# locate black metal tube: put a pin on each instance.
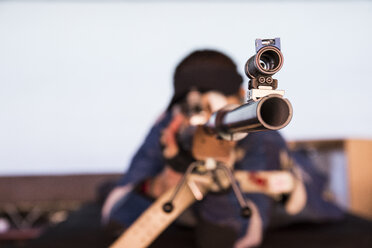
(271, 112)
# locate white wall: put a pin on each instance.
(81, 83)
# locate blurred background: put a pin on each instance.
(81, 83)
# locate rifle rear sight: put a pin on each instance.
(261, 67)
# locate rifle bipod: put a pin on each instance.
(209, 167)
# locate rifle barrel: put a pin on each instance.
(271, 112)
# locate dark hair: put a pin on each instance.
(205, 70)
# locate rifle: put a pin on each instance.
(212, 146)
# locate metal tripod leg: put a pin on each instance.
(168, 206)
(245, 209)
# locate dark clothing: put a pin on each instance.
(261, 153)
(219, 214)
